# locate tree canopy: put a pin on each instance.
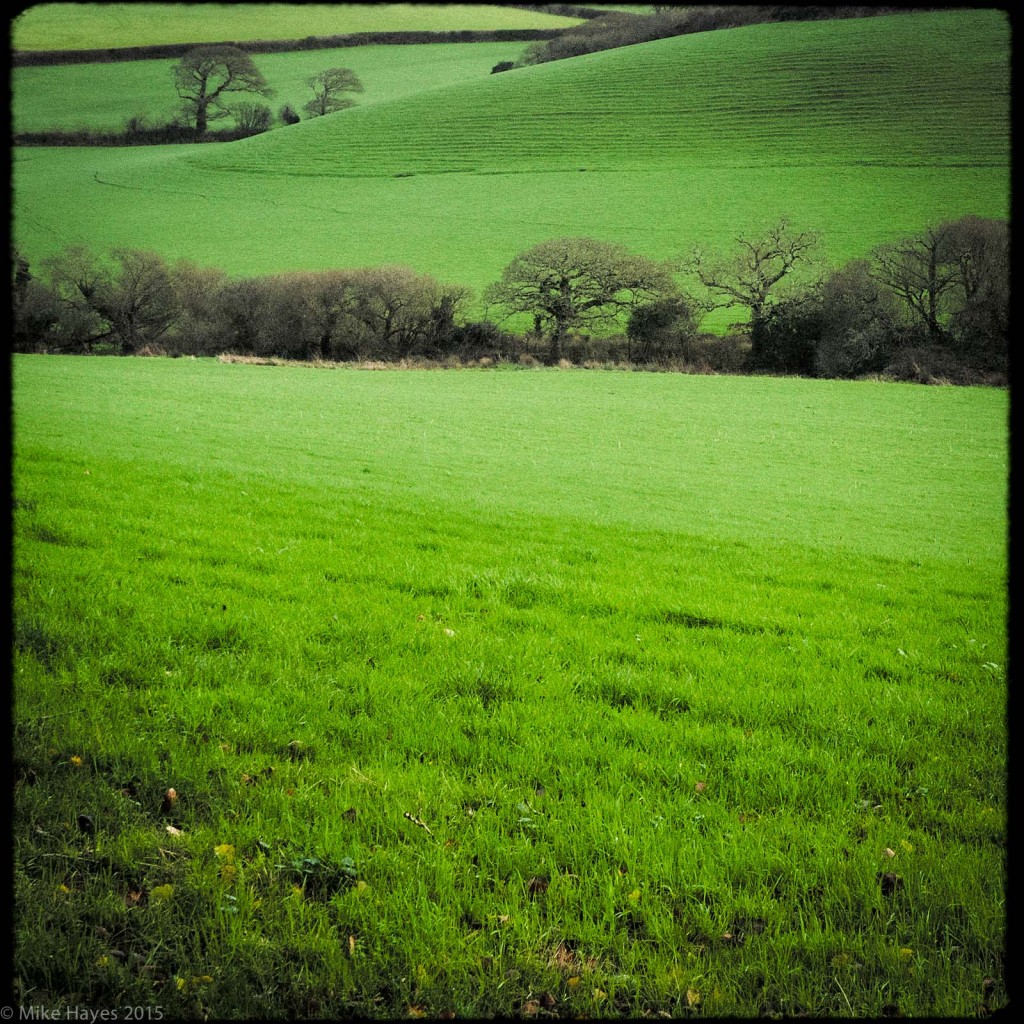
(207, 75)
(578, 284)
(329, 87)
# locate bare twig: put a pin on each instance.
(417, 821)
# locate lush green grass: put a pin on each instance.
(665, 664)
(866, 130)
(62, 26)
(922, 88)
(103, 96)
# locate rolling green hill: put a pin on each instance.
(64, 26)
(863, 129)
(101, 97)
(894, 91)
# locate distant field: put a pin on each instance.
(866, 130)
(64, 26)
(696, 686)
(103, 96)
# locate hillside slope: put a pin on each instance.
(104, 96)
(908, 89)
(76, 26)
(864, 129)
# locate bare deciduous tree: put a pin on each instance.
(953, 280)
(919, 272)
(138, 300)
(749, 276)
(329, 87)
(206, 75)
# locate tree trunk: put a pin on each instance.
(756, 335)
(934, 331)
(555, 350)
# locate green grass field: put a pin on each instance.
(64, 26)
(102, 97)
(695, 684)
(866, 130)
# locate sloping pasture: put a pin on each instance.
(863, 129)
(64, 26)
(491, 692)
(104, 96)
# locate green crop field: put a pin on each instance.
(102, 97)
(521, 692)
(63, 26)
(866, 130)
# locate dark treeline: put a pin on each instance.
(620, 28)
(933, 307)
(137, 303)
(46, 58)
(564, 10)
(133, 135)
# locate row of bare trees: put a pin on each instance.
(940, 297)
(136, 301)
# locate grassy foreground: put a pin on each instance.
(507, 692)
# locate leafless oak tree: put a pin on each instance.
(750, 274)
(206, 75)
(328, 88)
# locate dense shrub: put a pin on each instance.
(35, 311)
(727, 354)
(858, 323)
(197, 291)
(937, 364)
(480, 339)
(661, 330)
(253, 118)
(787, 335)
